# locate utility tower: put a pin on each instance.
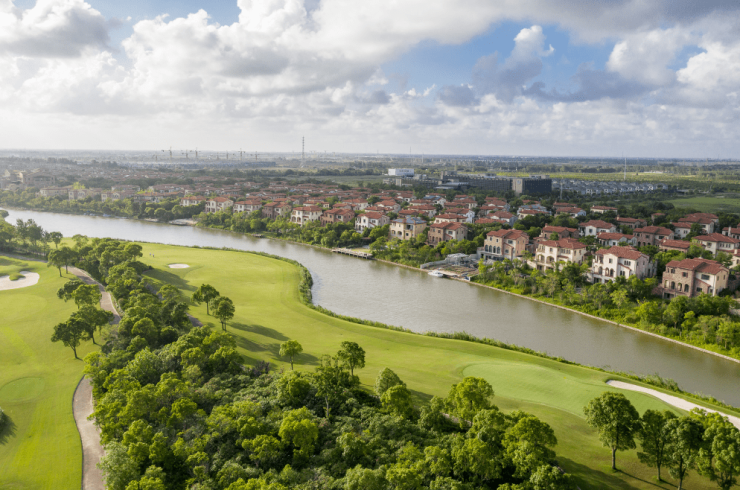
(303, 151)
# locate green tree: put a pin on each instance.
(617, 421)
(94, 319)
(719, 459)
(223, 309)
(397, 400)
(290, 348)
(56, 259)
(56, 237)
(70, 333)
(528, 444)
(118, 468)
(656, 438)
(353, 356)
(205, 294)
(66, 292)
(469, 396)
(293, 388)
(88, 294)
(299, 429)
(331, 379)
(386, 379)
(551, 478)
(359, 478)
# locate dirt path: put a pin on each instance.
(92, 451)
(671, 400)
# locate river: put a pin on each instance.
(412, 299)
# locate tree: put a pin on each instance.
(68, 255)
(205, 294)
(331, 379)
(386, 379)
(67, 291)
(686, 437)
(397, 400)
(468, 397)
(70, 333)
(299, 428)
(719, 459)
(529, 444)
(55, 237)
(551, 478)
(353, 356)
(655, 438)
(617, 421)
(93, 318)
(290, 348)
(223, 309)
(56, 259)
(88, 294)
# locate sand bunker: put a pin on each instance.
(28, 279)
(669, 399)
(178, 266)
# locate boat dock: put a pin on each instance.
(353, 253)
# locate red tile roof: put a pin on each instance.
(622, 252)
(699, 265)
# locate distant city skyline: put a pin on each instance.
(527, 78)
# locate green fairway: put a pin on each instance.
(269, 311)
(40, 447)
(720, 203)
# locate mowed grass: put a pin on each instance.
(268, 312)
(40, 446)
(728, 203)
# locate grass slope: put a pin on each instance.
(269, 311)
(40, 447)
(727, 203)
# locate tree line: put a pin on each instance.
(700, 441)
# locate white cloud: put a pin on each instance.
(645, 56)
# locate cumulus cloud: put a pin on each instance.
(51, 29)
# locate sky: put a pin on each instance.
(601, 78)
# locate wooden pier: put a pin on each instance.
(353, 253)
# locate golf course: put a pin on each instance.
(269, 311)
(39, 445)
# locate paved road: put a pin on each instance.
(670, 399)
(92, 451)
(106, 301)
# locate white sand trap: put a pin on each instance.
(28, 279)
(671, 400)
(178, 266)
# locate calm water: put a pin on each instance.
(414, 300)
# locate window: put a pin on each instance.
(685, 274)
(705, 276)
(698, 290)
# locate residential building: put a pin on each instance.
(573, 211)
(444, 232)
(274, 210)
(681, 229)
(370, 219)
(732, 232)
(610, 263)
(192, 200)
(305, 214)
(337, 215)
(407, 228)
(717, 242)
(707, 221)
(614, 239)
(561, 231)
(247, 206)
(450, 218)
(216, 204)
(390, 206)
(652, 235)
(534, 184)
(551, 252)
(505, 244)
(603, 209)
(631, 222)
(503, 217)
(595, 226)
(79, 194)
(692, 277)
(55, 191)
(523, 213)
(678, 245)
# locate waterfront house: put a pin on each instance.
(337, 215)
(247, 206)
(370, 219)
(305, 214)
(273, 210)
(505, 244)
(692, 277)
(216, 204)
(551, 252)
(444, 232)
(407, 228)
(610, 263)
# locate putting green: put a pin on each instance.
(22, 390)
(552, 387)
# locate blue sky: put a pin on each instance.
(529, 77)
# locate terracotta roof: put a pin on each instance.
(563, 243)
(596, 223)
(621, 252)
(607, 208)
(503, 215)
(698, 265)
(557, 229)
(448, 226)
(685, 224)
(374, 215)
(510, 234)
(654, 230)
(696, 219)
(613, 236)
(716, 237)
(679, 244)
